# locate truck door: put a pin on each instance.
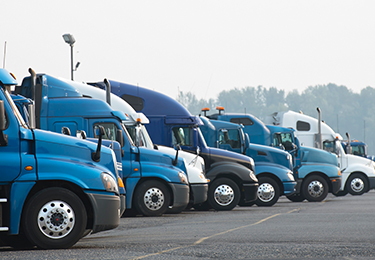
(10, 162)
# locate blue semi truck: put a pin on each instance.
(273, 167)
(232, 178)
(154, 181)
(53, 188)
(316, 171)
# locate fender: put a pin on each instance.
(239, 171)
(151, 171)
(328, 170)
(19, 192)
(280, 172)
(368, 171)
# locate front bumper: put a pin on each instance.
(289, 187)
(249, 191)
(371, 183)
(107, 210)
(336, 184)
(198, 193)
(180, 195)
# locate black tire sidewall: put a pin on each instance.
(211, 190)
(307, 181)
(276, 188)
(353, 176)
(139, 194)
(32, 208)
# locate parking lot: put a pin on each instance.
(337, 228)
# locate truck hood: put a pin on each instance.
(73, 149)
(263, 153)
(309, 154)
(195, 164)
(219, 155)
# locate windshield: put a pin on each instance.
(15, 110)
(332, 146)
(140, 136)
(359, 150)
(284, 139)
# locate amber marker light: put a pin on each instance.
(139, 120)
(220, 108)
(135, 169)
(28, 168)
(205, 109)
(120, 183)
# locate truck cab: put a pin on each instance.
(232, 178)
(273, 167)
(358, 173)
(198, 183)
(54, 188)
(154, 181)
(315, 171)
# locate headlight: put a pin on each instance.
(252, 176)
(183, 178)
(290, 175)
(109, 183)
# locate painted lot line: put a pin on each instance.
(217, 234)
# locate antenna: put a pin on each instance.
(5, 51)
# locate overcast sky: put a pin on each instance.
(199, 46)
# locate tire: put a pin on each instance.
(296, 198)
(43, 215)
(268, 192)
(223, 194)
(341, 193)
(315, 188)
(357, 184)
(152, 198)
(19, 242)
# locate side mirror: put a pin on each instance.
(120, 139)
(96, 156)
(65, 130)
(3, 137)
(177, 148)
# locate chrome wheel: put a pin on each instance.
(56, 219)
(154, 198)
(357, 185)
(266, 192)
(315, 189)
(224, 195)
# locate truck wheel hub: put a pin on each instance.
(56, 219)
(315, 189)
(266, 192)
(357, 184)
(154, 199)
(224, 195)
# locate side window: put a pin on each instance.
(230, 137)
(303, 126)
(244, 121)
(182, 136)
(110, 130)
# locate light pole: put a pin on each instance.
(69, 39)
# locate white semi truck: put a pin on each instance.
(358, 173)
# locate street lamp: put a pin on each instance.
(69, 39)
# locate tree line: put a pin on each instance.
(342, 109)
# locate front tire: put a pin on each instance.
(223, 194)
(296, 198)
(54, 218)
(357, 184)
(315, 188)
(268, 192)
(152, 198)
